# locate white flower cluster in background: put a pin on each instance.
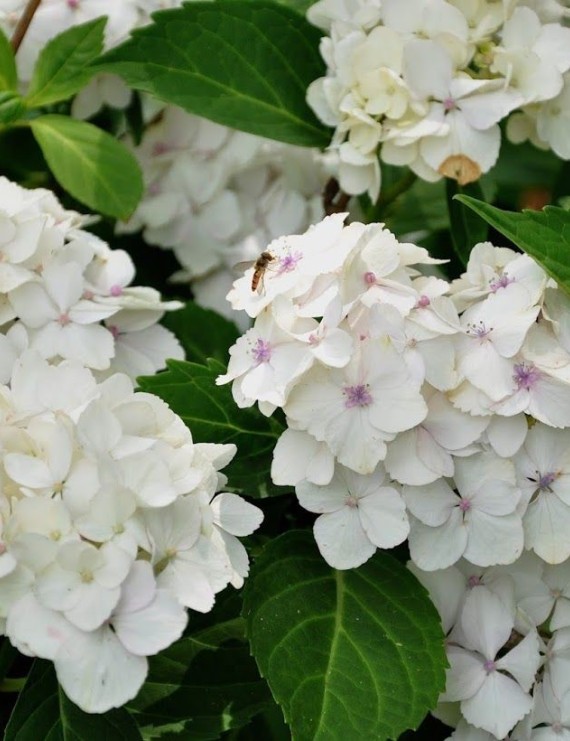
(428, 411)
(425, 83)
(65, 294)
(112, 523)
(216, 196)
(56, 16)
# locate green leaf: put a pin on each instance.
(89, 163)
(421, 209)
(11, 107)
(466, 229)
(299, 6)
(205, 683)
(353, 654)
(212, 415)
(243, 63)
(43, 712)
(63, 66)
(8, 71)
(544, 235)
(203, 333)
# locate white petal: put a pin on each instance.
(342, 540)
(486, 622)
(97, 673)
(497, 706)
(434, 548)
(523, 660)
(546, 527)
(235, 515)
(494, 540)
(383, 517)
(153, 628)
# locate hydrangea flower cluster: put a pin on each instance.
(425, 83)
(67, 295)
(216, 196)
(112, 521)
(56, 16)
(428, 411)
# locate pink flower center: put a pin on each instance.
(88, 295)
(261, 351)
(474, 581)
(490, 666)
(546, 480)
(501, 282)
(449, 104)
(422, 302)
(526, 375)
(114, 330)
(116, 290)
(478, 330)
(464, 505)
(64, 319)
(357, 396)
(73, 4)
(288, 263)
(351, 502)
(369, 278)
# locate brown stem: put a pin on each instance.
(24, 23)
(334, 199)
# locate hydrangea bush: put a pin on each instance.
(322, 494)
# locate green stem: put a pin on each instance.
(13, 685)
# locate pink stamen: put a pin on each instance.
(369, 278)
(261, 351)
(64, 319)
(526, 375)
(116, 290)
(464, 505)
(357, 396)
(288, 263)
(501, 282)
(422, 302)
(490, 666)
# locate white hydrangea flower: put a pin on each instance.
(92, 470)
(425, 83)
(493, 691)
(358, 514)
(69, 294)
(215, 196)
(480, 523)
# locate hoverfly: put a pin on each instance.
(259, 267)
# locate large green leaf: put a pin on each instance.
(8, 72)
(63, 66)
(348, 654)
(44, 713)
(544, 235)
(205, 683)
(466, 229)
(203, 333)
(243, 63)
(212, 415)
(90, 164)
